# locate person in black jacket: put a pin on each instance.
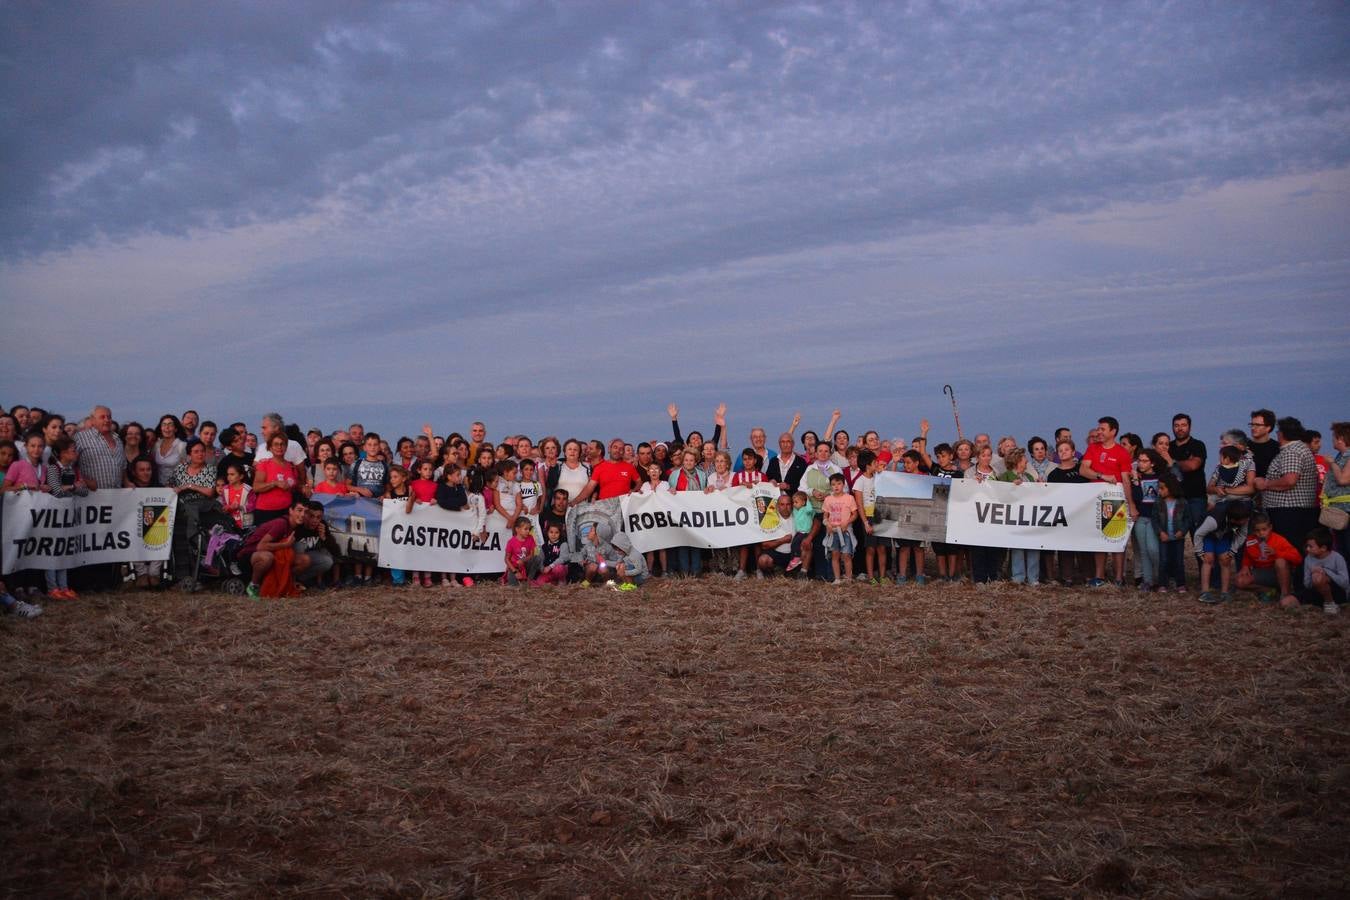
(787, 468)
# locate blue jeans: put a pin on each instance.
(1026, 566)
(686, 560)
(1147, 551)
(57, 579)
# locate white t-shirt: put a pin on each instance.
(573, 480)
(867, 486)
(661, 488)
(507, 494)
(295, 454)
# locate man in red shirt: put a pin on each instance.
(1105, 460)
(611, 477)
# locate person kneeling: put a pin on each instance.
(269, 550)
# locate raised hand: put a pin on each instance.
(720, 415)
(673, 410)
(923, 426)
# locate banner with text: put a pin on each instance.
(729, 518)
(1037, 516)
(431, 539)
(40, 531)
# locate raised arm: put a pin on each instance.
(829, 429)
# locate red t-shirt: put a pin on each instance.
(614, 479)
(746, 478)
(1114, 461)
(276, 529)
(339, 489)
(270, 501)
(423, 490)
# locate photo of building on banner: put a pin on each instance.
(1037, 516)
(911, 507)
(354, 523)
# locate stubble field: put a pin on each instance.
(692, 739)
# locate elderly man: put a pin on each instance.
(787, 468)
(271, 424)
(1290, 487)
(103, 465)
(758, 441)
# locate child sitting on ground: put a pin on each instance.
(1325, 577)
(554, 555)
(522, 558)
(1269, 558)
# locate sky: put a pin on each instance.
(558, 218)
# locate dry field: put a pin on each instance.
(691, 739)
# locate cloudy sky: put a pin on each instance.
(561, 217)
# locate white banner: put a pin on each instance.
(40, 531)
(431, 539)
(730, 518)
(1037, 516)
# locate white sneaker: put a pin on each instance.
(759, 575)
(860, 577)
(739, 576)
(837, 582)
(1331, 609)
(27, 610)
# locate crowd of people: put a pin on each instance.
(1267, 514)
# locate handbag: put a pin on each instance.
(1333, 518)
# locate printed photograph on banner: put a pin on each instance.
(914, 519)
(354, 523)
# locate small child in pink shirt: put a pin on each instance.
(522, 560)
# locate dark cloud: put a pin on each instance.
(161, 117)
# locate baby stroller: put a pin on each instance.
(215, 547)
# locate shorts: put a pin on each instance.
(874, 540)
(942, 549)
(780, 560)
(906, 542)
(1217, 545)
(1264, 576)
(841, 541)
